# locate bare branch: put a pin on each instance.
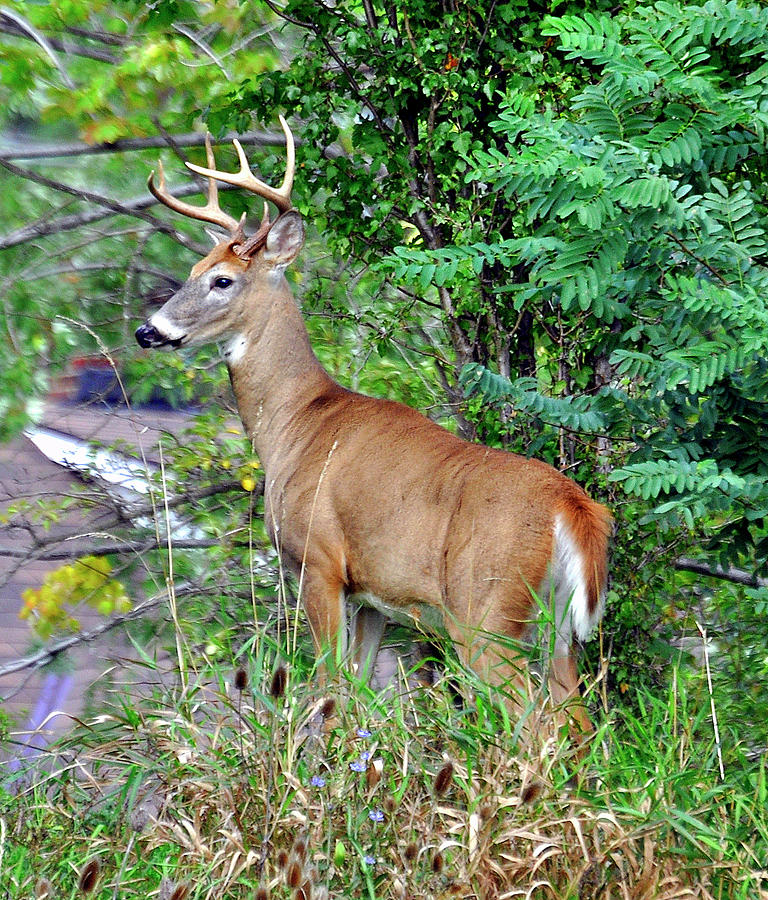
(68, 48)
(737, 576)
(115, 206)
(19, 25)
(120, 548)
(48, 654)
(102, 37)
(134, 208)
(155, 142)
(204, 47)
(43, 227)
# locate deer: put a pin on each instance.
(379, 511)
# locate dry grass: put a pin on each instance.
(235, 793)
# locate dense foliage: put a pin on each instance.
(543, 224)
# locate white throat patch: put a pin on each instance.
(234, 350)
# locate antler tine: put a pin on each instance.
(211, 212)
(245, 178)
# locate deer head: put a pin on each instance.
(212, 303)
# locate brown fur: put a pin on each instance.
(367, 496)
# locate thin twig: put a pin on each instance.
(716, 730)
(156, 142)
(129, 208)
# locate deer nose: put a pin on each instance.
(148, 336)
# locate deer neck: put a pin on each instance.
(275, 374)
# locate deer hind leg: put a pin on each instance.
(567, 596)
(366, 629)
(502, 666)
(564, 691)
(507, 669)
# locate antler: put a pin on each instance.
(211, 212)
(281, 196)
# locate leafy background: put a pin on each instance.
(542, 224)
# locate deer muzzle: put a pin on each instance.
(148, 336)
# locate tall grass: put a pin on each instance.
(249, 783)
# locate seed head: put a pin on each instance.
(279, 681)
(532, 791)
(443, 779)
(300, 848)
(89, 876)
(487, 809)
(328, 708)
(43, 889)
(295, 874)
(241, 679)
(304, 892)
(373, 774)
(180, 891)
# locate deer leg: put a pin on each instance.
(366, 631)
(564, 691)
(323, 598)
(507, 670)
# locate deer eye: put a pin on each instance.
(222, 282)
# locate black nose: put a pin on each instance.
(148, 336)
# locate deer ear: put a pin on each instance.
(285, 239)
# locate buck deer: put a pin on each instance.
(370, 500)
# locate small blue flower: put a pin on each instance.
(376, 815)
(365, 756)
(318, 781)
(359, 765)
(369, 860)
(363, 733)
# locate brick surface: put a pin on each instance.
(27, 476)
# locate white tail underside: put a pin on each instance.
(571, 599)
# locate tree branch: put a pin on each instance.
(68, 48)
(134, 208)
(119, 549)
(14, 23)
(48, 654)
(702, 262)
(737, 576)
(155, 142)
(114, 206)
(44, 227)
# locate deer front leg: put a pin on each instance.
(322, 596)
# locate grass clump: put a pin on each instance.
(245, 785)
